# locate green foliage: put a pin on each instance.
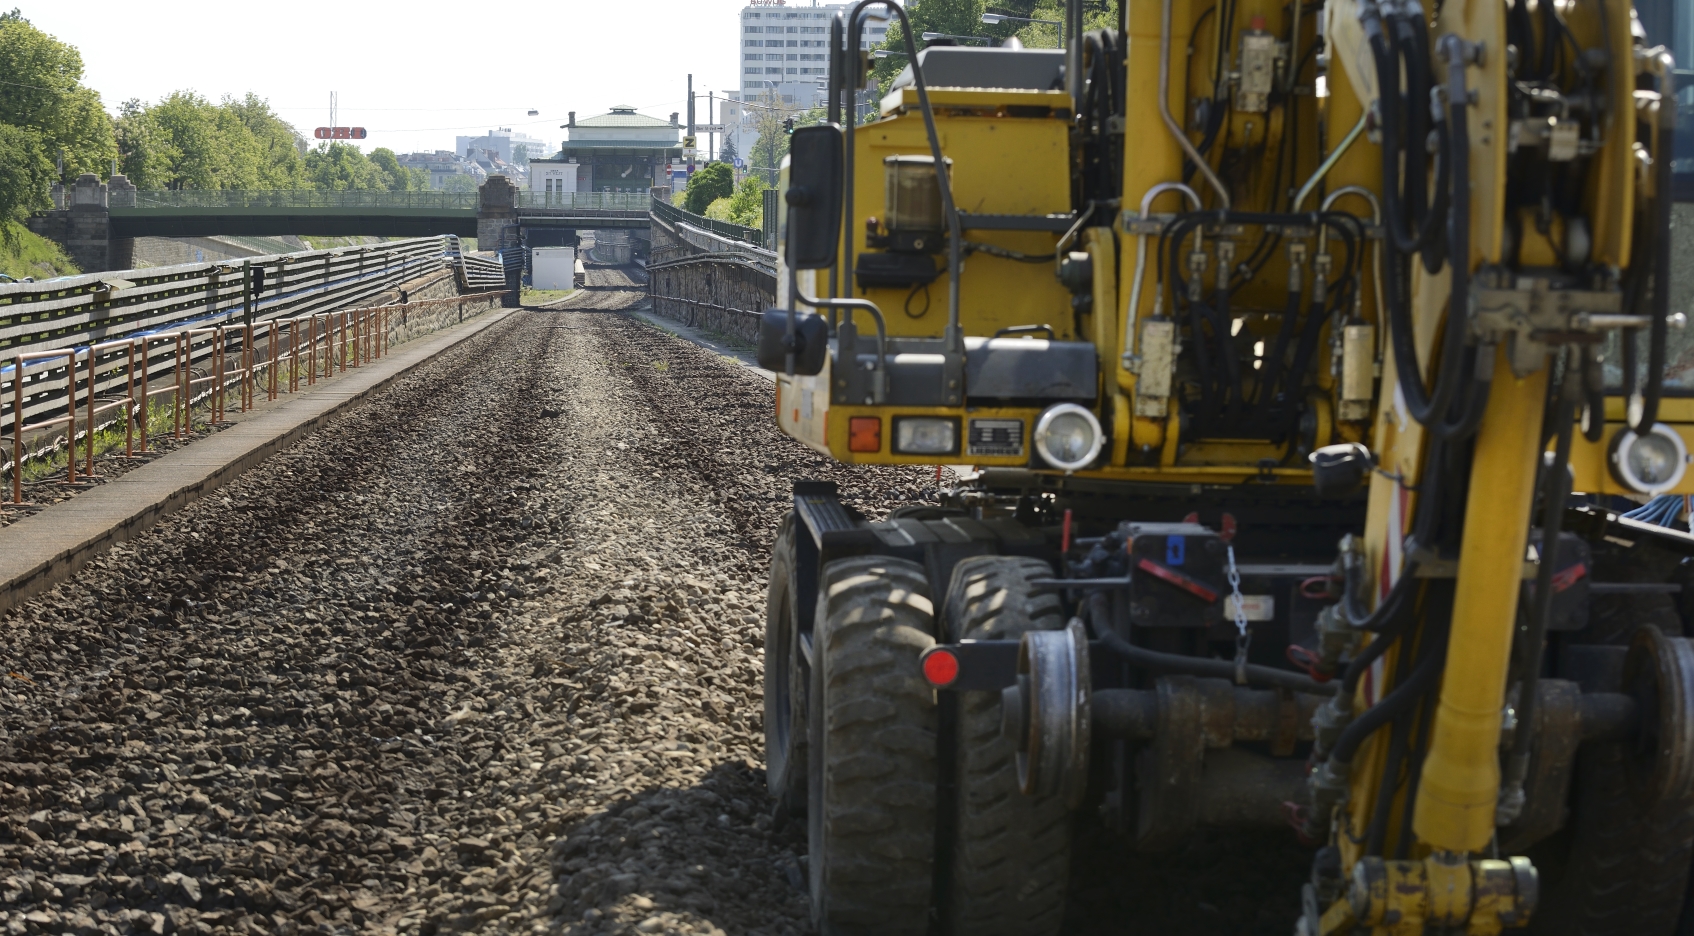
(23, 254)
(520, 154)
(964, 18)
(187, 142)
(747, 206)
(718, 210)
(25, 172)
(727, 152)
(707, 185)
(457, 183)
(44, 111)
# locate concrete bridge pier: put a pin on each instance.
(81, 222)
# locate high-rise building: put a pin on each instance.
(784, 56)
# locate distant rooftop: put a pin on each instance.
(623, 116)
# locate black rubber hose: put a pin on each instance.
(1257, 675)
(1424, 676)
(1226, 351)
(1555, 490)
(1658, 336)
(1430, 407)
(1272, 371)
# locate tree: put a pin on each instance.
(520, 154)
(43, 94)
(708, 184)
(461, 182)
(25, 172)
(747, 205)
(964, 18)
(727, 152)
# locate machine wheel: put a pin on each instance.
(871, 802)
(1011, 852)
(1629, 841)
(785, 683)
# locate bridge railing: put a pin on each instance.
(625, 201)
(68, 340)
(299, 198)
(672, 213)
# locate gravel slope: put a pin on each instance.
(509, 612)
(483, 655)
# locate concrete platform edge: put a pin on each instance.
(49, 559)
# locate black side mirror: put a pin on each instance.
(814, 196)
(811, 342)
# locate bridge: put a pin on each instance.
(98, 222)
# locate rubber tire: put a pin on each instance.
(785, 687)
(1011, 852)
(1626, 868)
(871, 802)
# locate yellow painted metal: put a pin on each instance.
(1444, 891)
(1001, 165)
(1461, 772)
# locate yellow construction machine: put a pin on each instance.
(1303, 357)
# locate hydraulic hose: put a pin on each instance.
(1423, 678)
(1257, 675)
(1555, 489)
(1431, 407)
(1662, 67)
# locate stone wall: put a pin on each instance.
(716, 292)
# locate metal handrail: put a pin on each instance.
(299, 198)
(622, 201)
(676, 215)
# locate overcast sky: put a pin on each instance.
(414, 74)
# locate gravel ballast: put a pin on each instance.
(482, 655)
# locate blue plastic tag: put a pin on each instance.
(1176, 550)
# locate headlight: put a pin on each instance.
(926, 435)
(1651, 462)
(1068, 437)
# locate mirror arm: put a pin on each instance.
(879, 385)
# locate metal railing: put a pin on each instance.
(251, 359)
(625, 201)
(66, 341)
(292, 198)
(675, 215)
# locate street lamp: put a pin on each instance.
(995, 19)
(932, 36)
(885, 53)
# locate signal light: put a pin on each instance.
(864, 434)
(940, 667)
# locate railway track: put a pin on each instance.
(483, 655)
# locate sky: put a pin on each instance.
(415, 75)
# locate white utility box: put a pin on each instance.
(552, 267)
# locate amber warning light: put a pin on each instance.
(339, 133)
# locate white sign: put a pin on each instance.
(1253, 607)
(710, 128)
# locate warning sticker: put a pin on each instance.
(1002, 437)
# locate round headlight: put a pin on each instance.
(1068, 437)
(1649, 463)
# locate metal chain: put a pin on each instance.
(1243, 638)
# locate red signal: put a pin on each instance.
(940, 667)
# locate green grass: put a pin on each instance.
(543, 296)
(25, 254)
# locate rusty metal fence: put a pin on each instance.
(108, 346)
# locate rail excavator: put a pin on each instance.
(1301, 364)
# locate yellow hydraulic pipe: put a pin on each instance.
(1461, 774)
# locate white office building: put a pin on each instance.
(784, 55)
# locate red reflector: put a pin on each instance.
(940, 667)
(864, 434)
